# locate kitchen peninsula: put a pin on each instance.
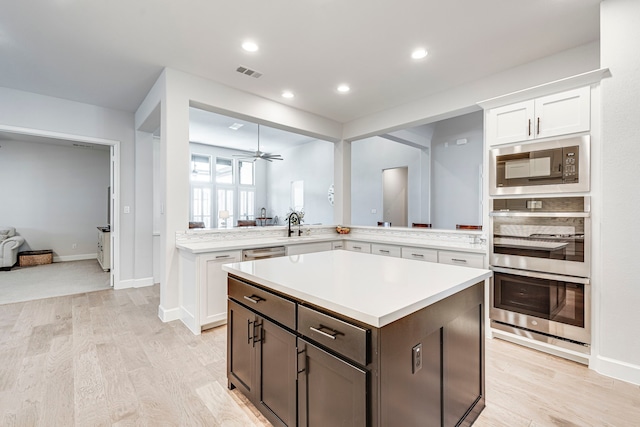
(346, 338)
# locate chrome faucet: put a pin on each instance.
(290, 220)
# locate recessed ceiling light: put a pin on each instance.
(250, 46)
(236, 126)
(287, 94)
(344, 88)
(419, 53)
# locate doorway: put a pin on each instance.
(70, 202)
(394, 196)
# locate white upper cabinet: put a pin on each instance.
(558, 114)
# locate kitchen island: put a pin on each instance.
(344, 338)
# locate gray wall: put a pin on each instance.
(455, 188)
(312, 163)
(368, 158)
(55, 196)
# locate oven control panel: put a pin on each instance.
(570, 156)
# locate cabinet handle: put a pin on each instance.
(459, 260)
(259, 335)
(383, 251)
(222, 256)
(529, 128)
(249, 334)
(357, 247)
(304, 364)
(417, 255)
(538, 131)
(319, 330)
(254, 299)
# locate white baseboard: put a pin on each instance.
(134, 283)
(168, 315)
(80, 257)
(616, 369)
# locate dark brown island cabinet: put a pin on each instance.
(303, 365)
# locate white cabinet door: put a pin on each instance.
(307, 248)
(213, 287)
(510, 123)
(420, 254)
(385, 250)
(563, 113)
(553, 115)
(461, 258)
(358, 247)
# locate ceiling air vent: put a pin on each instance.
(248, 71)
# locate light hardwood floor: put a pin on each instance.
(104, 358)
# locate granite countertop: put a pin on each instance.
(372, 289)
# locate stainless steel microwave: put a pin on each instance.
(557, 166)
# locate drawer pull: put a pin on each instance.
(459, 260)
(321, 331)
(383, 251)
(357, 247)
(417, 255)
(222, 256)
(254, 299)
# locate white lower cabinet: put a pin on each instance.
(358, 247)
(337, 245)
(420, 254)
(307, 248)
(213, 289)
(463, 259)
(385, 250)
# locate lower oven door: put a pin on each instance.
(554, 305)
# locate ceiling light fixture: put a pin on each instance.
(250, 46)
(236, 126)
(287, 94)
(344, 88)
(419, 53)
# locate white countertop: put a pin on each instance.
(236, 244)
(370, 288)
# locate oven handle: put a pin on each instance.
(541, 214)
(535, 274)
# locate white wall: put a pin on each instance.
(32, 111)
(368, 158)
(55, 196)
(619, 294)
(312, 163)
(455, 173)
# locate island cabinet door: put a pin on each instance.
(276, 386)
(241, 348)
(331, 392)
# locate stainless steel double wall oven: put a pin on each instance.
(541, 243)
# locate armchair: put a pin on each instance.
(9, 245)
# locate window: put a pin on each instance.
(225, 205)
(224, 171)
(201, 205)
(200, 168)
(297, 195)
(247, 204)
(246, 172)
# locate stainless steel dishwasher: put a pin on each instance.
(262, 253)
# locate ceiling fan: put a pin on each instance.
(259, 154)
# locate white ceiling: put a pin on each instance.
(110, 53)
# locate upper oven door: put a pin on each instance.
(552, 236)
(557, 166)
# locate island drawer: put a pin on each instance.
(264, 302)
(345, 338)
(358, 247)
